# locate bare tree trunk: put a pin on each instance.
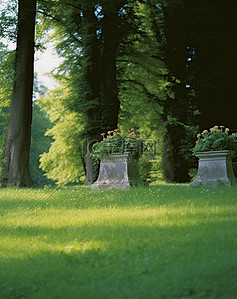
(168, 160)
(89, 170)
(111, 34)
(16, 155)
(100, 77)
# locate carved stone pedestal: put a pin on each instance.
(214, 169)
(118, 171)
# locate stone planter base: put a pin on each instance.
(214, 169)
(118, 171)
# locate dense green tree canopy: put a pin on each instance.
(166, 68)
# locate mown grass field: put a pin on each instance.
(166, 241)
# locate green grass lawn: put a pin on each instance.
(166, 241)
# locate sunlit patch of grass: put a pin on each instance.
(166, 241)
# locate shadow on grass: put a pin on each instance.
(194, 261)
(121, 259)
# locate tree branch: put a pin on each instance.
(61, 23)
(142, 65)
(151, 97)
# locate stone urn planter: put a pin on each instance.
(214, 169)
(118, 171)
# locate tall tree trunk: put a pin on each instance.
(110, 100)
(100, 76)
(179, 109)
(92, 84)
(16, 155)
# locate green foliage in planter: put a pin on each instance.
(117, 142)
(216, 139)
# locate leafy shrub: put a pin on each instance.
(117, 142)
(216, 139)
